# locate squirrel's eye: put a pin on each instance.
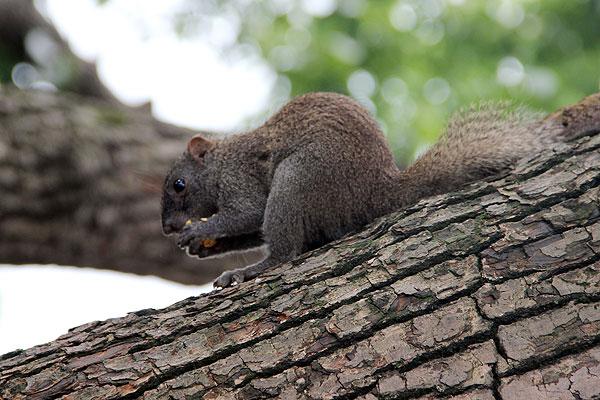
(179, 185)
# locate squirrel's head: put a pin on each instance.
(189, 190)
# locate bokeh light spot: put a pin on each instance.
(394, 90)
(431, 8)
(284, 58)
(403, 17)
(319, 8)
(541, 82)
(431, 32)
(24, 75)
(436, 91)
(510, 71)
(346, 49)
(508, 13)
(361, 83)
(352, 8)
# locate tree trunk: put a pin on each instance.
(81, 183)
(492, 292)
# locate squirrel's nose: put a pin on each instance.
(167, 229)
(170, 227)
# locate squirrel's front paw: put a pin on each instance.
(195, 248)
(230, 278)
(191, 234)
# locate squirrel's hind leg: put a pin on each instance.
(239, 275)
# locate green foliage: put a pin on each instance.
(412, 62)
(7, 61)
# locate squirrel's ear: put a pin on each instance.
(199, 145)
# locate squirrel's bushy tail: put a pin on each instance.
(480, 141)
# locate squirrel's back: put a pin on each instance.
(333, 136)
(329, 120)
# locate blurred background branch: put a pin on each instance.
(81, 181)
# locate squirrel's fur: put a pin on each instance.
(320, 168)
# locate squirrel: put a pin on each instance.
(320, 168)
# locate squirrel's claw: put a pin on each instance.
(188, 233)
(195, 248)
(230, 278)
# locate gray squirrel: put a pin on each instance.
(320, 168)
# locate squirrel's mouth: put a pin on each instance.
(228, 244)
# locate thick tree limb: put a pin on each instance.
(81, 181)
(492, 292)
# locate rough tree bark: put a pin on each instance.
(492, 292)
(81, 181)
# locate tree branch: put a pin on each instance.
(491, 292)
